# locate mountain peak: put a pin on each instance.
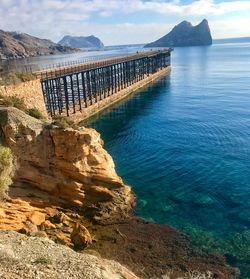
(81, 41)
(19, 45)
(185, 23)
(204, 21)
(185, 34)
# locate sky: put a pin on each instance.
(118, 22)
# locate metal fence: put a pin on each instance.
(43, 71)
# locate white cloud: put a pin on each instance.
(55, 18)
(230, 28)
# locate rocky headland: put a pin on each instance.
(81, 42)
(66, 190)
(185, 34)
(20, 45)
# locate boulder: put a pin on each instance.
(48, 225)
(63, 239)
(37, 218)
(80, 236)
(29, 228)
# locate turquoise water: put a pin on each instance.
(183, 144)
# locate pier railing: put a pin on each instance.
(70, 89)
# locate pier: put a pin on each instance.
(76, 88)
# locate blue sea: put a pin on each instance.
(183, 144)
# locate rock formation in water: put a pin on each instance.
(81, 42)
(19, 45)
(184, 34)
(67, 163)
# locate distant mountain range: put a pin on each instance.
(185, 34)
(81, 42)
(20, 45)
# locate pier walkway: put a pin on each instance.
(75, 88)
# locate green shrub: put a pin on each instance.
(63, 122)
(34, 112)
(15, 78)
(43, 260)
(5, 170)
(13, 101)
(9, 79)
(4, 184)
(25, 76)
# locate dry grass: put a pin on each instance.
(13, 101)
(63, 122)
(15, 78)
(5, 170)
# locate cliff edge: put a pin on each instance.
(65, 188)
(69, 164)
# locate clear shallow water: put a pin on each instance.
(183, 144)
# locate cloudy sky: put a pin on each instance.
(122, 21)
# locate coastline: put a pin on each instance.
(93, 210)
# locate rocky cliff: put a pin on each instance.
(65, 188)
(67, 163)
(184, 34)
(81, 42)
(19, 45)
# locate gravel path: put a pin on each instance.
(41, 258)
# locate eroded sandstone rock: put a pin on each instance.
(67, 163)
(37, 218)
(80, 236)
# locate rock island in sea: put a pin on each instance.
(185, 34)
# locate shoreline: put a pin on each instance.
(148, 249)
(94, 207)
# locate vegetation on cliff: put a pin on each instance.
(5, 170)
(13, 78)
(13, 101)
(63, 122)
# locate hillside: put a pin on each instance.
(185, 34)
(81, 42)
(19, 45)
